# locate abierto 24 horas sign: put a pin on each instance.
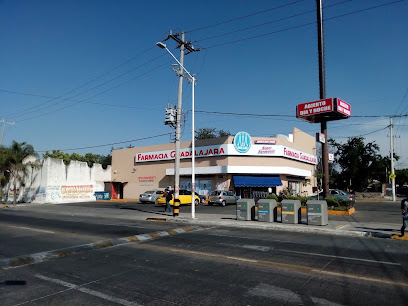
(323, 110)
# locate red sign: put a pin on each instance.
(315, 107)
(343, 107)
(323, 110)
(265, 141)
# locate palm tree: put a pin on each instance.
(4, 167)
(18, 167)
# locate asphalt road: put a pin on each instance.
(211, 266)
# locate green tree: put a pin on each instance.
(4, 167)
(18, 166)
(89, 158)
(402, 177)
(359, 163)
(58, 154)
(207, 133)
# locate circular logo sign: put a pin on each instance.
(242, 142)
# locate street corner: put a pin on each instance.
(399, 237)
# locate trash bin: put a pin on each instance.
(245, 209)
(317, 213)
(102, 195)
(267, 210)
(291, 211)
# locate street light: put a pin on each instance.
(192, 78)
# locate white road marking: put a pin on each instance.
(266, 249)
(28, 228)
(370, 279)
(342, 257)
(88, 291)
(284, 296)
(241, 259)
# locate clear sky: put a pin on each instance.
(78, 74)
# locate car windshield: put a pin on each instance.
(159, 192)
(216, 192)
(151, 191)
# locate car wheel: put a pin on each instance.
(223, 203)
(196, 202)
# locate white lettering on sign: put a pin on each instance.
(228, 150)
(315, 104)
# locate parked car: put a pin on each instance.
(337, 194)
(150, 196)
(202, 197)
(184, 197)
(222, 198)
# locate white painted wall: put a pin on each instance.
(55, 182)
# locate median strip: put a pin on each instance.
(66, 252)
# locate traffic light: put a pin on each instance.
(171, 116)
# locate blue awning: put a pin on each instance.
(257, 181)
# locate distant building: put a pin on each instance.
(55, 182)
(248, 165)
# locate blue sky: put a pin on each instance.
(78, 74)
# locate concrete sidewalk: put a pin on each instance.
(345, 226)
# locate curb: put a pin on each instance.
(66, 252)
(277, 226)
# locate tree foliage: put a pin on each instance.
(359, 164)
(89, 158)
(207, 133)
(18, 167)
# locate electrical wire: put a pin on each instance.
(300, 26)
(242, 17)
(108, 144)
(83, 85)
(270, 22)
(81, 101)
(81, 93)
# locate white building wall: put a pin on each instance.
(55, 182)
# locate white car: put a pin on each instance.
(150, 196)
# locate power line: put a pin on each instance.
(81, 93)
(83, 85)
(109, 144)
(82, 101)
(270, 22)
(242, 17)
(300, 26)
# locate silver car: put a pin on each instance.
(150, 196)
(222, 197)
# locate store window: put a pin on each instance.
(294, 188)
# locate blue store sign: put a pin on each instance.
(242, 142)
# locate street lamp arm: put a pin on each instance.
(163, 46)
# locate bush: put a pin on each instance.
(273, 197)
(302, 200)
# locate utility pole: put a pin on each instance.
(392, 161)
(4, 130)
(182, 45)
(322, 83)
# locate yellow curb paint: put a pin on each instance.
(63, 254)
(156, 219)
(132, 238)
(188, 229)
(172, 232)
(405, 237)
(103, 244)
(19, 261)
(155, 235)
